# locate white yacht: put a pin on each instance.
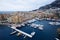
(18, 34)
(53, 19)
(19, 25)
(48, 18)
(33, 33)
(30, 21)
(34, 25)
(54, 23)
(22, 24)
(40, 27)
(57, 23)
(25, 36)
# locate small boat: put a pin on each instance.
(22, 24)
(57, 23)
(25, 36)
(33, 33)
(40, 19)
(48, 18)
(54, 23)
(13, 32)
(28, 24)
(14, 26)
(34, 25)
(18, 34)
(41, 27)
(30, 21)
(37, 18)
(19, 25)
(53, 19)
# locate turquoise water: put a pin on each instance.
(49, 32)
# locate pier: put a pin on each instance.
(22, 32)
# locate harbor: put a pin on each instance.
(48, 32)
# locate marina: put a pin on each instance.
(48, 32)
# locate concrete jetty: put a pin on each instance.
(22, 32)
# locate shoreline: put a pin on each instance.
(11, 23)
